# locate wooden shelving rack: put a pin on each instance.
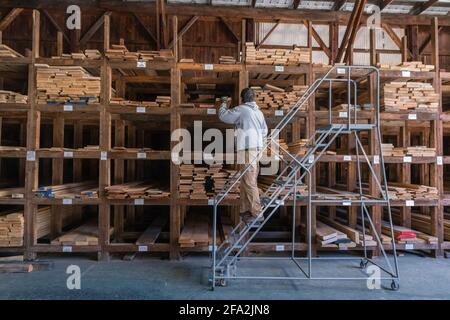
(114, 167)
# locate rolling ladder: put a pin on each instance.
(297, 173)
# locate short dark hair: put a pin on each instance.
(247, 95)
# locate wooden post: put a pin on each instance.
(33, 137)
(59, 43)
(404, 49)
(105, 145)
(175, 123)
(437, 223)
(57, 175)
(373, 47)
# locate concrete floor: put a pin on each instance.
(154, 278)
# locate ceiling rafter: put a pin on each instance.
(421, 7)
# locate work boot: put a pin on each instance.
(249, 219)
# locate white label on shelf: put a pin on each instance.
(103, 155)
(140, 109)
(407, 159)
(439, 161)
(279, 247)
(68, 107)
(376, 159)
(67, 201)
(210, 248)
(412, 116)
(143, 248)
(409, 203)
(406, 74)
(343, 248)
(138, 202)
(210, 202)
(343, 114)
(279, 68)
(347, 158)
(31, 155)
(141, 155)
(409, 246)
(209, 66)
(311, 158)
(141, 64)
(67, 249)
(280, 202)
(346, 203)
(211, 111)
(279, 112)
(68, 154)
(340, 70)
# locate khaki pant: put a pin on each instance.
(249, 183)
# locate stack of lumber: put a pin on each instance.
(66, 84)
(185, 183)
(356, 236)
(227, 60)
(298, 147)
(345, 107)
(420, 223)
(407, 66)
(401, 234)
(12, 97)
(405, 96)
(135, 190)
(92, 54)
(11, 230)
(272, 97)
(264, 183)
(405, 191)
(289, 57)
(84, 235)
(119, 52)
(329, 237)
(220, 179)
(7, 52)
(14, 193)
(161, 101)
(279, 145)
(192, 183)
(43, 220)
(77, 190)
(195, 232)
(417, 151)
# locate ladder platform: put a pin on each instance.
(352, 127)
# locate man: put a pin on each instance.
(251, 130)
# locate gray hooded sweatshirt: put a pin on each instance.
(251, 128)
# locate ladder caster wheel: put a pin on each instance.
(222, 282)
(363, 264)
(395, 285)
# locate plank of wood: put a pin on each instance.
(151, 234)
(16, 267)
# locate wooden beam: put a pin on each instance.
(296, 3)
(106, 32)
(253, 3)
(147, 30)
(394, 37)
(228, 26)
(6, 21)
(384, 3)
(319, 40)
(164, 25)
(93, 29)
(338, 4)
(404, 49)
(427, 42)
(347, 34)
(349, 52)
(56, 25)
(158, 26)
(268, 34)
(421, 7)
(185, 28)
